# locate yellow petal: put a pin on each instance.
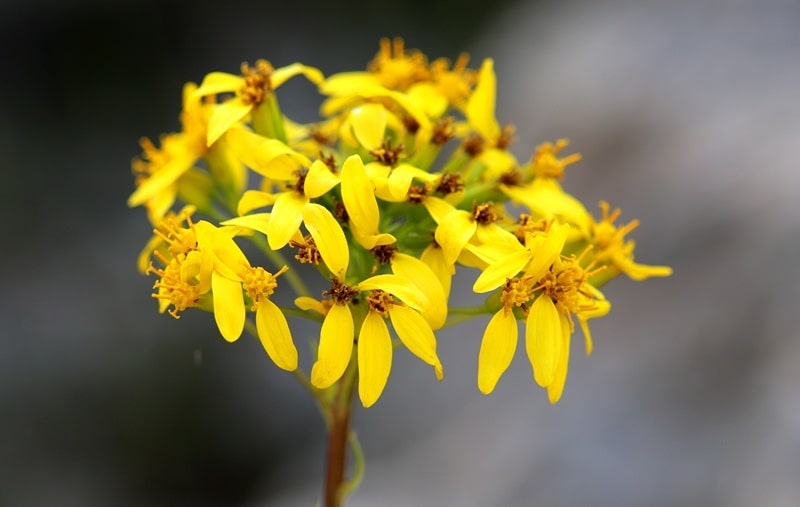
(438, 208)
(397, 286)
(224, 117)
(348, 83)
(416, 335)
(160, 180)
(218, 82)
(401, 177)
(285, 218)
(229, 311)
(257, 222)
(277, 161)
(359, 196)
(433, 256)
(587, 335)
(254, 199)
(454, 232)
(319, 180)
(426, 281)
(555, 389)
(428, 97)
(640, 272)
(308, 303)
(497, 349)
(329, 238)
(273, 331)
(335, 347)
(497, 273)
(480, 109)
(283, 74)
(546, 249)
(374, 358)
(369, 125)
(543, 339)
(370, 241)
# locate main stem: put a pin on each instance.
(338, 432)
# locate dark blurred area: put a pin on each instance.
(688, 117)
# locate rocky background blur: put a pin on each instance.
(688, 117)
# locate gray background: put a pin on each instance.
(688, 117)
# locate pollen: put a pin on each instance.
(473, 144)
(171, 287)
(299, 185)
(386, 154)
(340, 292)
(397, 69)
(384, 253)
(484, 213)
(545, 162)
(181, 240)
(506, 137)
(307, 251)
(516, 292)
(443, 131)
(607, 238)
(566, 285)
(259, 284)
(379, 302)
(416, 193)
(257, 82)
(528, 225)
(450, 183)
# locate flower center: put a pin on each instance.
(307, 252)
(340, 292)
(484, 213)
(396, 68)
(172, 287)
(259, 284)
(257, 82)
(379, 301)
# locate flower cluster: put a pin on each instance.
(403, 182)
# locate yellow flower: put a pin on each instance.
(611, 249)
(254, 87)
(386, 296)
(233, 277)
(358, 195)
(559, 293)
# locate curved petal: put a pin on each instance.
(328, 236)
(335, 347)
(229, 311)
(398, 286)
(497, 273)
(497, 349)
(427, 282)
(277, 161)
(369, 125)
(480, 109)
(401, 177)
(273, 331)
(438, 208)
(454, 232)
(433, 256)
(555, 389)
(309, 303)
(348, 83)
(374, 358)
(285, 218)
(256, 221)
(319, 180)
(254, 199)
(283, 74)
(218, 82)
(224, 117)
(359, 196)
(416, 335)
(543, 339)
(160, 180)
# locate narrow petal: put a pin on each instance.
(401, 177)
(416, 335)
(224, 117)
(285, 219)
(273, 331)
(398, 286)
(497, 349)
(254, 199)
(283, 74)
(555, 389)
(159, 181)
(587, 335)
(347, 83)
(369, 125)
(374, 358)
(308, 303)
(256, 221)
(335, 347)
(543, 339)
(229, 311)
(277, 161)
(328, 236)
(359, 196)
(496, 274)
(438, 208)
(218, 82)
(546, 249)
(319, 180)
(480, 109)
(427, 282)
(433, 256)
(454, 232)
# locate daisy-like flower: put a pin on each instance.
(232, 277)
(254, 87)
(386, 296)
(561, 292)
(612, 250)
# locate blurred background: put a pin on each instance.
(687, 114)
